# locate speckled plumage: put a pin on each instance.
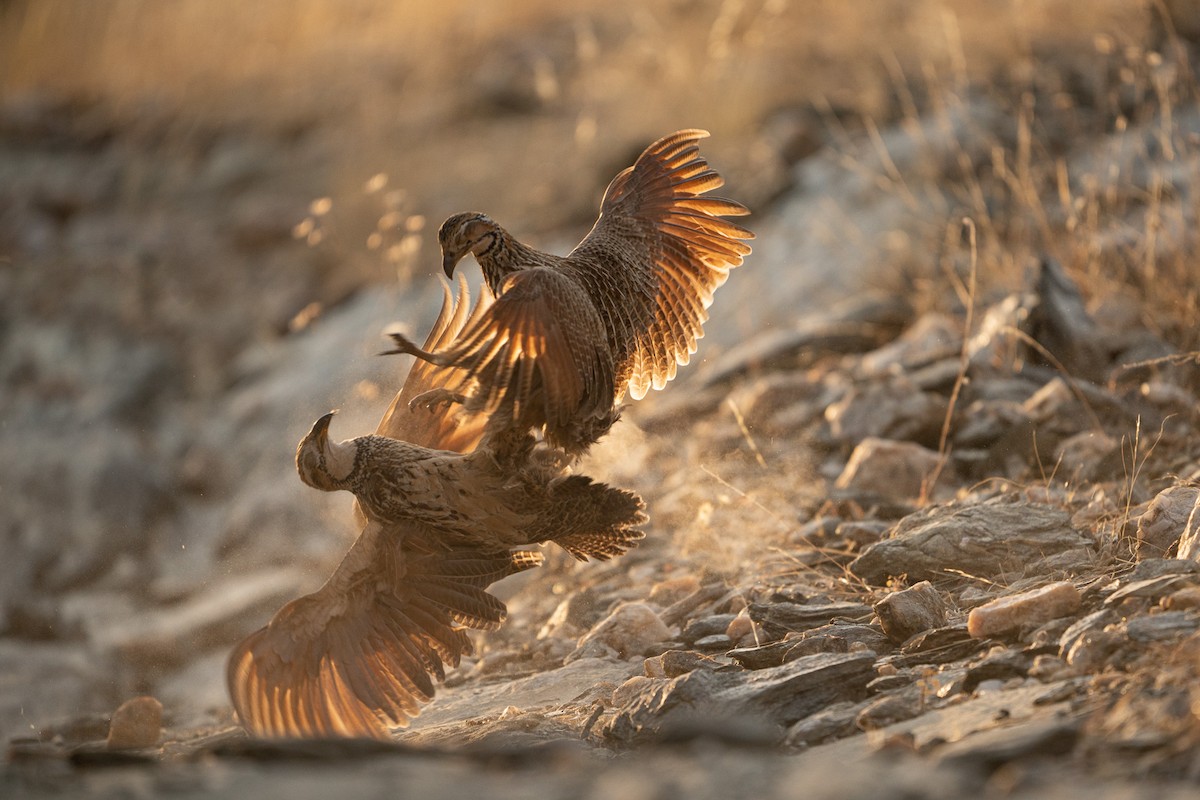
(567, 336)
(471, 500)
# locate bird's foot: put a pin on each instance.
(436, 399)
(406, 346)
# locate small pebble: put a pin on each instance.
(136, 724)
(740, 626)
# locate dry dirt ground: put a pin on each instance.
(960, 367)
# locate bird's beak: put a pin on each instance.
(449, 262)
(320, 428)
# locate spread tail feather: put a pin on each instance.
(594, 519)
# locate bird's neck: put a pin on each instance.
(506, 255)
(341, 462)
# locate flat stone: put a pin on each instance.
(895, 410)
(1025, 608)
(1150, 588)
(896, 469)
(1163, 627)
(706, 626)
(779, 618)
(778, 695)
(986, 540)
(989, 749)
(832, 722)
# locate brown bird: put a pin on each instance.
(470, 500)
(567, 336)
(358, 656)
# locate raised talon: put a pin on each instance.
(437, 398)
(404, 346)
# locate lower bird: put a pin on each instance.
(471, 500)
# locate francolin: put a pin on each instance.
(568, 336)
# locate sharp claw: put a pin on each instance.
(434, 399)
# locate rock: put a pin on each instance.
(791, 397)
(833, 722)
(894, 410)
(993, 347)
(987, 540)
(1150, 588)
(1189, 541)
(137, 723)
(1158, 567)
(1185, 598)
(778, 695)
(717, 641)
(930, 338)
(1059, 322)
(891, 708)
(741, 626)
(1092, 623)
(672, 590)
(777, 619)
(908, 612)
(857, 534)
(899, 470)
(1047, 667)
(578, 612)
(855, 326)
(998, 666)
(680, 610)
(630, 630)
(768, 655)
(1027, 608)
(1163, 627)
(936, 646)
(1090, 456)
(989, 749)
(1165, 521)
(1091, 650)
(706, 626)
(674, 663)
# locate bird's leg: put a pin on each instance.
(434, 399)
(406, 346)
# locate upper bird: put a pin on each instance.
(567, 336)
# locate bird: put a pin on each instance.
(358, 657)
(472, 500)
(566, 337)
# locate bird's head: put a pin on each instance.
(325, 464)
(471, 232)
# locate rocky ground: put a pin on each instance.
(923, 517)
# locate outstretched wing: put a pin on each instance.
(540, 347)
(440, 427)
(357, 657)
(653, 219)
